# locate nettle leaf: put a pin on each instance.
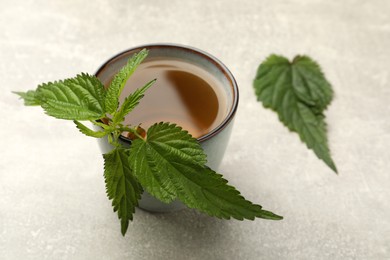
(29, 98)
(79, 98)
(310, 84)
(121, 186)
(131, 102)
(170, 164)
(145, 166)
(208, 192)
(299, 93)
(89, 132)
(119, 81)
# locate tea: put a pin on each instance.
(184, 94)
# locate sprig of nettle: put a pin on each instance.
(299, 93)
(166, 161)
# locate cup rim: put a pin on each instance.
(222, 67)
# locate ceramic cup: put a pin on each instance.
(215, 141)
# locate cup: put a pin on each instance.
(215, 141)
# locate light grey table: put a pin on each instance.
(52, 197)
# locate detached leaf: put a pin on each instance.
(310, 84)
(170, 164)
(79, 98)
(122, 187)
(299, 93)
(29, 98)
(131, 102)
(119, 81)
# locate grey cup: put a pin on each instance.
(215, 141)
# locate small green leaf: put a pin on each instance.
(131, 102)
(121, 186)
(85, 130)
(170, 164)
(29, 98)
(79, 98)
(119, 81)
(299, 93)
(106, 127)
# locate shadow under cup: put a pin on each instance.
(215, 141)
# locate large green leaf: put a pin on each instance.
(299, 93)
(145, 165)
(79, 98)
(119, 81)
(170, 163)
(122, 187)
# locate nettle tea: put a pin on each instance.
(184, 94)
(167, 169)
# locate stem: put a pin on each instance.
(132, 130)
(102, 125)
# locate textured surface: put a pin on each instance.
(53, 203)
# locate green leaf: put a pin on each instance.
(310, 84)
(131, 102)
(79, 98)
(121, 185)
(29, 98)
(299, 93)
(170, 164)
(119, 81)
(89, 132)
(145, 167)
